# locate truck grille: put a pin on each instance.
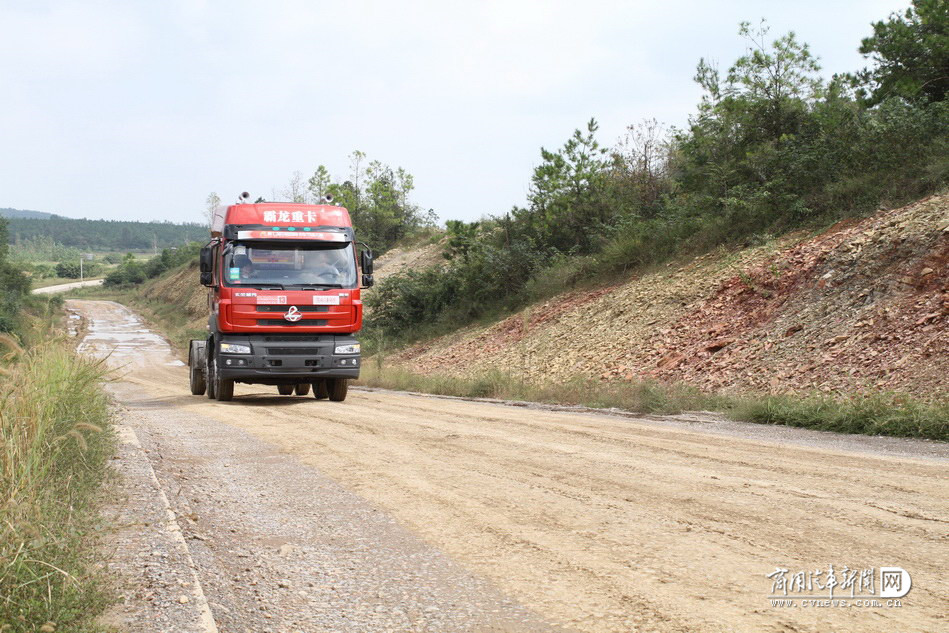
(293, 351)
(284, 308)
(294, 339)
(303, 322)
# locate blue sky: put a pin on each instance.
(139, 109)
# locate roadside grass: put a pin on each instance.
(96, 292)
(640, 397)
(38, 317)
(55, 442)
(873, 414)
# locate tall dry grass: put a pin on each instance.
(54, 446)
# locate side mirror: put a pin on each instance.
(206, 260)
(365, 262)
(207, 278)
(367, 281)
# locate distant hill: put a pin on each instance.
(24, 213)
(102, 235)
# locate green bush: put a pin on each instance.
(42, 248)
(132, 271)
(14, 286)
(42, 271)
(69, 270)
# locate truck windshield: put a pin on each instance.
(284, 265)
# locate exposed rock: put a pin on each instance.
(793, 329)
(670, 360)
(825, 312)
(720, 344)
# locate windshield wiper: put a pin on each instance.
(308, 286)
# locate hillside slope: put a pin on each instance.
(864, 305)
(398, 259)
(8, 212)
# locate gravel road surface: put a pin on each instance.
(407, 513)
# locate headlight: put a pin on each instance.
(234, 348)
(347, 349)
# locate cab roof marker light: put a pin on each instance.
(324, 236)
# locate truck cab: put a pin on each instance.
(284, 283)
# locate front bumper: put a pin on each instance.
(288, 358)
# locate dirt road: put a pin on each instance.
(404, 513)
(68, 286)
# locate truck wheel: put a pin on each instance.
(285, 390)
(337, 388)
(209, 379)
(302, 389)
(319, 390)
(196, 368)
(225, 390)
(198, 383)
(218, 388)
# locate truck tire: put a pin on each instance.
(337, 388)
(302, 389)
(196, 368)
(319, 390)
(208, 373)
(198, 384)
(225, 390)
(218, 388)
(285, 390)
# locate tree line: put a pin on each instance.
(772, 146)
(27, 234)
(14, 286)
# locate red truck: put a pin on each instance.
(283, 293)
